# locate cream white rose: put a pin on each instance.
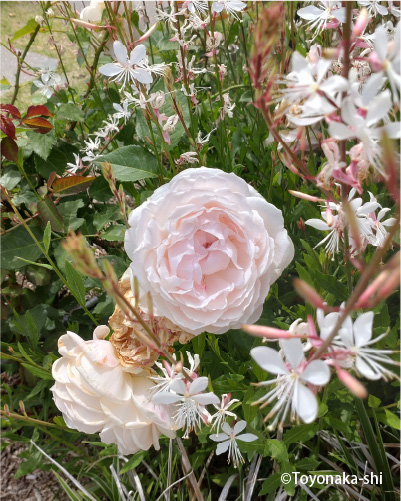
(207, 246)
(95, 395)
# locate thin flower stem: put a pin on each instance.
(35, 421)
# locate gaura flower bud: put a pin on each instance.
(354, 386)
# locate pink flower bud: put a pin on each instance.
(304, 196)
(375, 62)
(354, 386)
(360, 24)
(309, 293)
(270, 332)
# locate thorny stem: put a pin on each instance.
(360, 287)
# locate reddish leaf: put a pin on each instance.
(71, 185)
(39, 109)
(9, 149)
(52, 177)
(40, 125)
(7, 126)
(11, 109)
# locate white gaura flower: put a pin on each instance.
(164, 382)
(379, 226)
(190, 400)
(73, 168)
(45, 86)
(374, 7)
(220, 417)
(365, 125)
(126, 69)
(352, 345)
(294, 374)
(386, 58)
(326, 15)
(207, 246)
(228, 441)
(227, 108)
(339, 222)
(231, 7)
(122, 111)
(196, 6)
(92, 13)
(95, 395)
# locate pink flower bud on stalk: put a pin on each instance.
(382, 286)
(146, 35)
(360, 24)
(269, 332)
(354, 386)
(310, 295)
(89, 26)
(22, 407)
(305, 196)
(84, 258)
(329, 216)
(6, 409)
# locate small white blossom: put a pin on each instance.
(220, 417)
(125, 68)
(326, 15)
(291, 384)
(73, 168)
(228, 441)
(122, 111)
(231, 7)
(190, 401)
(374, 7)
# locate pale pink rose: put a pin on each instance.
(207, 246)
(95, 395)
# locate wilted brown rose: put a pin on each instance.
(133, 355)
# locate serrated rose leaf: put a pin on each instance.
(72, 185)
(11, 109)
(40, 125)
(7, 126)
(36, 110)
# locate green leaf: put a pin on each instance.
(100, 190)
(10, 178)
(69, 212)
(19, 243)
(31, 464)
(73, 495)
(38, 372)
(271, 484)
(48, 212)
(133, 462)
(71, 112)
(71, 185)
(30, 27)
(299, 434)
(114, 234)
(373, 402)
(276, 450)
(331, 284)
(392, 419)
(41, 144)
(131, 163)
(55, 162)
(47, 237)
(75, 282)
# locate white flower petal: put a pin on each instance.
(138, 53)
(238, 427)
(363, 328)
(121, 52)
(317, 372)
(269, 359)
(222, 447)
(305, 403)
(198, 385)
(247, 437)
(293, 351)
(110, 69)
